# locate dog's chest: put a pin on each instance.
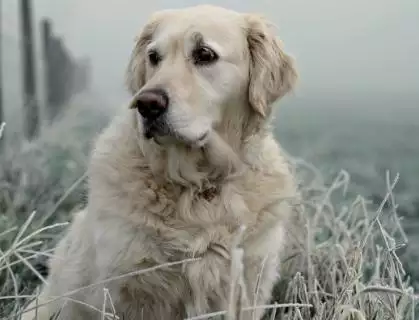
(189, 222)
(192, 221)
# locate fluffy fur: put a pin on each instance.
(173, 197)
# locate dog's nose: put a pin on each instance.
(151, 104)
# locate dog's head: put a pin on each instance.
(192, 68)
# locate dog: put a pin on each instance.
(185, 165)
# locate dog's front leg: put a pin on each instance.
(260, 275)
(209, 282)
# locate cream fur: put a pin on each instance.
(144, 206)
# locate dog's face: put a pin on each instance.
(190, 66)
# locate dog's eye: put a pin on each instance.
(204, 55)
(154, 57)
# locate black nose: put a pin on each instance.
(151, 104)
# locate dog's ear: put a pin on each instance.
(272, 72)
(136, 70)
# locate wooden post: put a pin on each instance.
(1, 78)
(46, 30)
(57, 73)
(30, 108)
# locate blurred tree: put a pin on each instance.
(64, 75)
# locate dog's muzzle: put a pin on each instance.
(152, 105)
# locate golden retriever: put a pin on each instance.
(185, 165)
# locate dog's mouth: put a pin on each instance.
(161, 132)
(156, 128)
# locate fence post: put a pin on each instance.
(30, 108)
(1, 76)
(46, 36)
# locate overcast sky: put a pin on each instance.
(341, 46)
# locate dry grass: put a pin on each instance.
(342, 261)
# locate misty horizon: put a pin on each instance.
(349, 49)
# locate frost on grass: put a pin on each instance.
(41, 183)
(344, 257)
(342, 261)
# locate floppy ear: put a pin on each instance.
(272, 72)
(135, 73)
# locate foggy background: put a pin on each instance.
(345, 50)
